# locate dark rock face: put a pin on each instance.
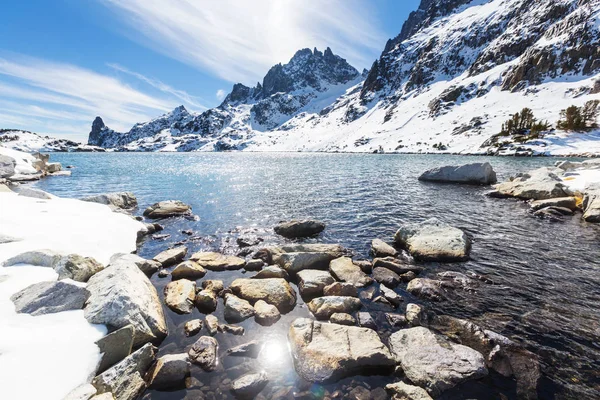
(100, 133)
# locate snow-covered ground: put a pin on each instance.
(24, 160)
(45, 357)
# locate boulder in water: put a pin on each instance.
(324, 307)
(379, 248)
(168, 208)
(299, 229)
(249, 385)
(217, 262)
(169, 371)
(204, 353)
(312, 281)
(266, 314)
(472, 174)
(122, 200)
(540, 184)
(345, 270)
(180, 296)
(188, 270)
(275, 291)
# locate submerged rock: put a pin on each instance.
(298, 229)
(266, 314)
(433, 362)
(324, 307)
(172, 256)
(126, 379)
(121, 295)
(212, 324)
(250, 349)
(345, 270)
(312, 281)
(275, 291)
(180, 295)
(249, 385)
(168, 208)
(562, 202)
(296, 262)
(395, 265)
(49, 297)
(324, 352)
(169, 371)
(204, 353)
(433, 240)
(218, 262)
(473, 174)
(542, 183)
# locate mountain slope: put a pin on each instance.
(457, 70)
(30, 142)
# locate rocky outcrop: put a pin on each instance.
(121, 295)
(299, 229)
(433, 240)
(217, 262)
(540, 184)
(126, 379)
(49, 297)
(433, 362)
(324, 352)
(324, 307)
(472, 174)
(343, 269)
(180, 296)
(167, 208)
(275, 291)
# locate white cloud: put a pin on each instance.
(221, 94)
(239, 40)
(63, 99)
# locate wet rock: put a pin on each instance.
(296, 262)
(169, 371)
(379, 248)
(408, 392)
(472, 174)
(78, 268)
(342, 319)
(433, 240)
(188, 270)
(396, 320)
(408, 276)
(236, 309)
(433, 362)
(214, 285)
(188, 232)
(163, 273)
(591, 204)
(233, 329)
(366, 320)
(168, 208)
(212, 324)
(249, 385)
(562, 202)
(49, 297)
(193, 327)
(395, 265)
(415, 314)
(41, 258)
(138, 303)
(122, 200)
(386, 277)
(204, 353)
(171, 256)
(115, 346)
(206, 301)
(126, 379)
(218, 262)
(298, 229)
(312, 281)
(263, 254)
(324, 352)
(345, 270)
(383, 303)
(254, 265)
(250, 349)
(266, 314)
(248, 241)
(368, 294)
(425, 288)
(390, 295)
(324, 307)
(365, 265)
(542, 183)
(148, 267)
(180, 295)
(272, 271)
(275, 291)
(552, 212)
(340, 289)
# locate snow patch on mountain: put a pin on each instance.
(31, 142)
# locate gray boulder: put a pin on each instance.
(433, 362)
(433, 240)
(115, 346)
(324, 307)
(342, 319)
(188, 270)
(249, 385)
(7, 166)
(272, 271)
(472, 174)
(296, 262)
(334, 250)
(299, 229)
(591, 204)
(40, 258)
(204, 353)
(379, 248)
(49, 297)
(426, 289)
(236, 309)
(171, 256)
(168, 208)
(396, 265)
(386, 277)
(312, 281)
(343, 269)
(390, 295)
(126, 379)
(122, 200)
(148, 267)
(542, 183)
(169, 372)
(324, 352)
(180, 296)
(275, 291)
(266, 314)
(121, 295)
(217, 262)
(78, 268)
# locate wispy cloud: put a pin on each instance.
(220, 94)
(63, 99)
(239, 40)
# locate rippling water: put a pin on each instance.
(546, 281)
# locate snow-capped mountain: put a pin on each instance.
(457, 70)
(31, 142)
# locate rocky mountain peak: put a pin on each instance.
(98, 133)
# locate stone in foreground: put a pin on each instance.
(188, 270)
(275, 291)
(325, 352)
(266, 314)
(433, 240)
(49, 297)
(249, 385)
(180, 296)
(121, 295)
(324, 307)
(472, 174)
(114, 347)
(217, 261)
(169, 371)
(204, 353)
(409, 392)
(168, 208)
(340, 289)
(312, 282)
(171, 256)
(236, 309)
(126, 379)
(299, 229)
(540, 184)
(433, 362)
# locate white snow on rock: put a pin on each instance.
(24, 160)
(47, 356)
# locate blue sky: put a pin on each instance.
(63, 62)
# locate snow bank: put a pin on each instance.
(47, 356)
(24, 160)
(579, 179)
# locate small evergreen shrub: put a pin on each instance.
(580, 118)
